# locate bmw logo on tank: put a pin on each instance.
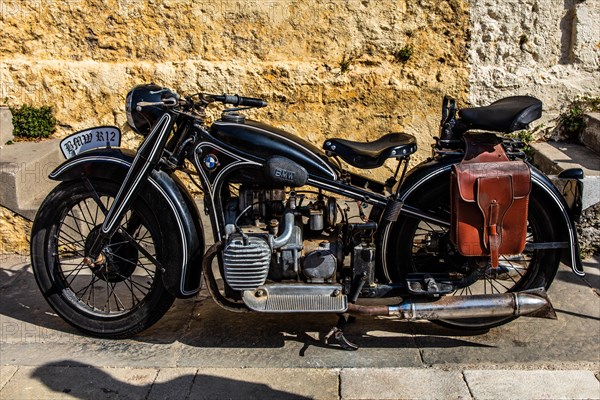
(211, 162)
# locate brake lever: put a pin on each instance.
(169, 102)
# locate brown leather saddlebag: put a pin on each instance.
(489, 203)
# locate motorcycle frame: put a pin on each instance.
(162, 150)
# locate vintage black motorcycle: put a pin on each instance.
(120, 237)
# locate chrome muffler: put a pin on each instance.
(532, 303)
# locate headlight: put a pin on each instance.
(143, 120)
(128, 109)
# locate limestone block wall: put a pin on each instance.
(546, 48)
(328, 68)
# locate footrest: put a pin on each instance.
(281, 298)
(427, 285)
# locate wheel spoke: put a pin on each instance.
(124, 259)
(149, 272)
(90, 224)
(134, 298)
(107, 307)
(516, 268)
(501, 284)
(95, 196)
(85, 288)
(91, 294)
(78, 269)
(140, 248)
(82, 240)
(117, 299)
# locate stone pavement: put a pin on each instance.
(200, 351)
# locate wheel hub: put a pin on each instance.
(120, 257)
(439, 243)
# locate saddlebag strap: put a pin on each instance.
(494, 198)
(489, 200)
(484, 147)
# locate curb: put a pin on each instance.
(56, 381)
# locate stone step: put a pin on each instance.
(6, 126)
(590, 136)
(554, 157)
(24, 170)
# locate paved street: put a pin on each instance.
(201, 351)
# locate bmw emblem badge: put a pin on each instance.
(211, 162)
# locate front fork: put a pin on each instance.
(145, 161)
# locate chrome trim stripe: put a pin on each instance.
(183, 243)
(212, 186)
(426, 178)
(70, 164)
(565, 214)
(317, 158)
(165, 119)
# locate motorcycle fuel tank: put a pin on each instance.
(263, 142)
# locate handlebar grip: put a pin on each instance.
(240, 101)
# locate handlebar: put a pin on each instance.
(208, 98)
(239, 100)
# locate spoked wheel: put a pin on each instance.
(117, 298)
(425, 247)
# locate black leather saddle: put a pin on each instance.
(506, 115)
(367, 155)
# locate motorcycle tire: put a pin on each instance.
(119, 298)
(423, 247)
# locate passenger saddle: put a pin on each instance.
(489, 197)
(366, 155)
(506, 115)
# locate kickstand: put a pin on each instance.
(338, 334)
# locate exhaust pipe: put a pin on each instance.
(532, 303)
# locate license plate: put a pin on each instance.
(93, 138)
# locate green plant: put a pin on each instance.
(525, 136)
(571, 120)
(32, 123)
(404, 54)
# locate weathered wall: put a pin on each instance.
(546, 48)
(83, 56)
(14, 233)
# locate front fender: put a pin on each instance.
(429, 172)
(179, 216)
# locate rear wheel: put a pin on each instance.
(117, 299)
(424, 247)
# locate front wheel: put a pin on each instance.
(117, 299)
(419, 246)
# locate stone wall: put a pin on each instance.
(327, 68)
(14, 233)
(546, 48)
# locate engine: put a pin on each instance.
(280, 237)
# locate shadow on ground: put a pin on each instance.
(83, 381)
(197, 332)
(202, 323)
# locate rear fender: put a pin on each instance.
(431, 172)
(179, 217)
